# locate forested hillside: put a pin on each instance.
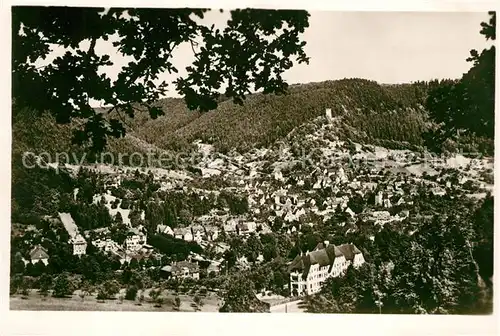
(261, 120)
(264, 119)
(368, 112)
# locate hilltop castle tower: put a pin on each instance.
(329, 114)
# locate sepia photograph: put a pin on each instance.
(251, 160)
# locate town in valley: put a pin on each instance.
(340, 196)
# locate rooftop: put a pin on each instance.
(322, 255)
(38, 252)
(179, 266)
(69, 223)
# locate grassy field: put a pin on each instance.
(74, 303)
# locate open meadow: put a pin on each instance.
(35, 302)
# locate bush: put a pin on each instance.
(156, 297)
(177, 303)
(44, 283)
(25, 292)
(131, 293)
(141, 299)
(62, 286)
(125, 204)
(108, 290)
(159, 301)
(15, 284)
(198, 302)
(101, 295)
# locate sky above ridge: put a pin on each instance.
(388, 47)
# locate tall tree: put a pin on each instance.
(255, 47)
(484, 233)
(467, 104)
(239, 297)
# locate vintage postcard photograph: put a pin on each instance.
(251, 160)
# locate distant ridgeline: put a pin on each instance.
(387, 115)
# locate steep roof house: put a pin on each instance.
(76, 239)
(38, 253)
(182, 270)
(198, 233)
(165, 229)
(230, 227)
(244, 228)
(183, 233)
(212, 232)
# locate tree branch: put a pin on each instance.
(92, 46)
(192, 48)
(115, 108)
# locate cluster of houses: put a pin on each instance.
(134, 245)
(209, 233)
(382, 217)
(195, 233)
(329, 178)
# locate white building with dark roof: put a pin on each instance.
(135, 240)
(165, 229)
(183, 233)
(198, 233)
(310, 270)
(107, 245)
(79, 245)
(182, 270)
(76, 239)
